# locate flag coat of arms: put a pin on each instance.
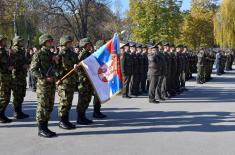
(104, 71)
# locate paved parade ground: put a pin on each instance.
(200, 121)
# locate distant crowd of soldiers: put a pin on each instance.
(158, 70)
(208, 58)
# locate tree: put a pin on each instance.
(155, 20)
(224, 23)
(197, 30)
(80, 18)
(26, 19)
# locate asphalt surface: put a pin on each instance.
(200, 121)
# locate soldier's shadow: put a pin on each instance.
(132, 120)
(160, 121)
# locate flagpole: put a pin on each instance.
(69, 73)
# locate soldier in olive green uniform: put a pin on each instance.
(173, 70)
(184, 68)
(66, 88)
(144, 68)
(212, 61)
(85, 88)
(179, 68)
(200, 67)
(229, 61)
(135, 76)
(164, 71)
(140, 68)
(42, 67)
(5, 80)
(19, 74)
(127, 70)
(168, 76)
(155, 70)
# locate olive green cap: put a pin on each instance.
(99, 44)
(123, 43)
(83, 42)
(2, 37)
(43, 38)
(65, 39)
(17, 39)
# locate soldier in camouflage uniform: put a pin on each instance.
(85, 88)
(42, 67)
(19, 74)
(5, 79)
(66, 88)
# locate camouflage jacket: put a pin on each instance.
(19, 60)
(42, 65)
(82, 76)
(5, 74)
(67, 59)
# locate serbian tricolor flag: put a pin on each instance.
(104, 71)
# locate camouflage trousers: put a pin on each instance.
(19, 92)
(85, 90)
(5, 94)
(66, 93)
(84, 100)
(85, 93)
(45, 97)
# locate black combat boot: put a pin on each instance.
(19, 114)
(43, 131)
(4, 119)
(81, 119)
(154, 101)
(65, 124)
(97, 113)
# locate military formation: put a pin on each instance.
(46, 67)
(158, 70)
(207, 58)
